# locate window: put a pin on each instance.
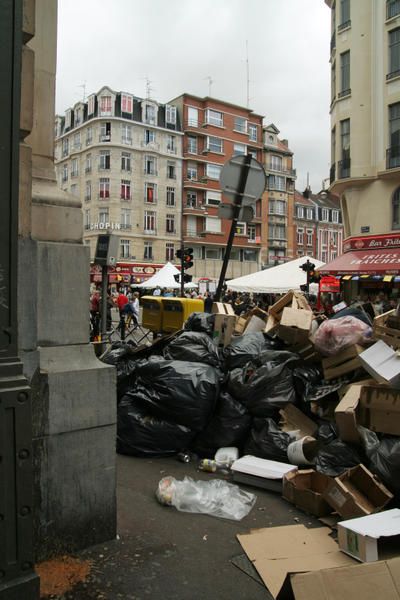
(277, 232)
(250, 255)
(125, 249)
(192, 144)
(150, 193)
(394, 133)
(333, 81)
(171, 144)
(105, 158)
(150, 165)
(191, 199)
(344, 74)
(275, 163)
(309, 237)
(125, 161)
(193, 117)
(148, 251)
(214, 144)
(64, 176)
(240, 228)
(277, 207)
(213, 198)
(65, 147)
(213, 224)
(300, 236)
(170, 224)
(149, 221)
(276, 182)
(126, 103)
(105, 106)
(300, 212)
(77, 141)
(170, 114)
(239, 149)
(394, 53)
(68, 117)
(126, 134)
(169, 252)
(91, 102)
(125, 189)
(87, 219)
(191, 225)
(344, 14)
(214, 253)
(104, 191)
(253, 129)
(105, 132)
(171, 170)
(213, 171)
(325, 214)
(191, 170)
(310, 214)
(214, 117)
(170, 196)
(392, 8)
(125, 218)
(88, 191)
(251, 232)
(396, 209)
(240, 124)
(335, 216)
(88, 163)
(150, 114)
(149, 136)
(74, 167)
(89, 136)
(74, 189)
(103, 215)
(344, 164)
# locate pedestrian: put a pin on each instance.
(122, 300)
(157, 292)
(208, 302)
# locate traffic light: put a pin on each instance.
(307, 266)
(177, 278)
(187, 278)
(179, 253)
(188, 258)
(314, 276)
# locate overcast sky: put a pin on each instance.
(178, 44)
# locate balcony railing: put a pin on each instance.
(126, 226)
(344, 25)
(150, 231)
(393, 157)
(150, 145)
(153, 172)
(332, 173)
(344, 93)
(281, 169)
(277, 212)
(171, 150)
(333, 41)
(392, 75)
(105, 137)
(344, 168)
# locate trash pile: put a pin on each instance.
(310, 403)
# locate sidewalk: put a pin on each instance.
(164, 554)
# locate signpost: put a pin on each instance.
(105, 256)
(243, 179)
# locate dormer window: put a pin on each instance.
(105, 106)
(126, 103)
(77, 116)
(150, 114)
(170, 114)
(68, 114)
(91, 104)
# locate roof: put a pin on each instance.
(211, 99)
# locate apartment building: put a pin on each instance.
(214, 131)
(277, 243)
(122, 156)
(365, 115)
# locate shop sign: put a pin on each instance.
(94, 226)
(380, 259)
(372, 242)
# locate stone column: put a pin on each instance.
(74, 395)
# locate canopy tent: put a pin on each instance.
(276, 280)
(164, 278)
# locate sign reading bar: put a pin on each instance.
(385, 241)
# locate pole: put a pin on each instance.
(308, 276)
(236, 209)
(104, 286)
(182, 268)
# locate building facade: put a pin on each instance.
(122, 157)
(365, 114)
(214, 131)
(277, 243)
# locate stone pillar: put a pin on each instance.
(74, 395)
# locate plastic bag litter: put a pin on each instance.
(214, 497)
(122, 355)
(177, 391)
(384, 457)
(200, 321)
(353, 312)
(139, 434)
(336, 457)
(229, 426)
(326, 433)
(193, 346)
(336, 334)
(268, 441)
(247, 348)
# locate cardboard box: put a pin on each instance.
(254, 324)
(291, 299)
(346, 361)
(304, 489)
(371, 538)
(277, 551)
(272, 325)
(356, 492)
(224, 324)
(261, 472)
(240, 325)
(295, 325)
(387, 328)
(369, 581)
(292, 419)
(383, 363)
(345, 414)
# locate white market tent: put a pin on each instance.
(164, 278)
(276, 280)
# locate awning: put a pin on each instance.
(367, 262)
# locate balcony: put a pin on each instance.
(344, 25)
(276, 212)
(393, 157)
(333, 42)
(171, 150)
(150, 145)
(125, 226)
(152, 172)
(332, 173)
(150, 232)
(126, 140)
(279, 169)
(150, 202)
(344, 93)
(344, 168)
(105, 137)
(255, 240)
(392, 75)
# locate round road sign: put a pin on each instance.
(231, 174)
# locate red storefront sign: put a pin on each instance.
(372, 242)
(329, 284)
(371, 262)
(126, 272)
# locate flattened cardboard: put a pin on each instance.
(295, 325)
(359, 537)
(345, 361)
(277, 551)
(224, 324)
(304, 489)
(292, 419)
(356, 492)
(345, 414)
(254, 324)
(383, 363)
(370, 581)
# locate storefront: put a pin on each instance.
(125, 273)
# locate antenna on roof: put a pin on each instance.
(210, 82)
(247, 74)
(83, 86)
(149, 89)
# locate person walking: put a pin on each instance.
(208, 302)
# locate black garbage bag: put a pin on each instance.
(228, 427)
(267, 388)
(353, 312)
(326, 433)
(122, 355)
(384, 457)
(306, 379)
(200, 321)
(249, 347)
(180, 392)
(139, 434)
(336, 457)
(193, 346)
(266, 440)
